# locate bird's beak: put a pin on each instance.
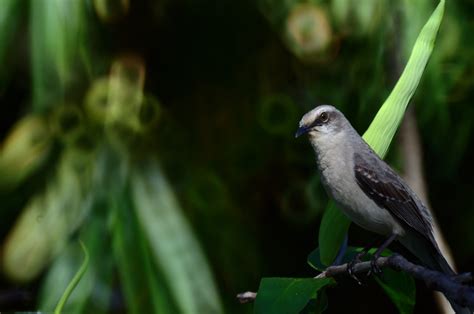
(302, 130)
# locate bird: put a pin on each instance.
(369, 191)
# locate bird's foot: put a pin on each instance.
(351, 265)
(374, 268)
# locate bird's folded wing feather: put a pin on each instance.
(381, 184)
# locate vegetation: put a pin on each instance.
(160, 135)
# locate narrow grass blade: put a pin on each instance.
(75, 280)
(92, 294)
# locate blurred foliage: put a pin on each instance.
(160, 133)
(74, 281)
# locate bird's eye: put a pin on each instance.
(324, 117)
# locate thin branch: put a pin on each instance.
(452, 286)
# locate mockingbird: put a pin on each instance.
(368, 191)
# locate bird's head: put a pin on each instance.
(324, 120)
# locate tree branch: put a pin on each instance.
(453, 287)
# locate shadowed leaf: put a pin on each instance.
(287, 295)
(400, 287)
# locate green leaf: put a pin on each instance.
(57, 36)
(161, 298)
(400, 287)
(9, 22)
(388, 118)
(334, 226)
(382, 129)
(287, 295)
(143, 290)
(318, 305)
(173, 244)
(314, 258)
(60, 209)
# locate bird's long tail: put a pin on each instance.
(430, 256)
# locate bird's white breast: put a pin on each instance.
(336, 166)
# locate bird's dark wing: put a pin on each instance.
(381, 184)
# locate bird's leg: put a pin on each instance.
(358, 258)
(373, 263)
(342, 252)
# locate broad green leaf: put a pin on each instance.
(24, 150)
(314, 258)
(400, 287)
(175, 249)
(124, 229)
(50, 217)
(161, 298)
(287, 295)
(382, 129)
(9, 21)
(317, 305)
(334, 226)
(57, 38)
(141, 290)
